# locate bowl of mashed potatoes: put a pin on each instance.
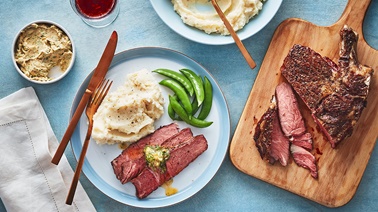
(198, 21)
(43, 52)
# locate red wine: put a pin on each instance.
(95, 8)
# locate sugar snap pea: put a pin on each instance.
(208, 101)
(171, 112)
(194, 106)
(180, 92)
(197, 84)
(176, 76)
(176, 106)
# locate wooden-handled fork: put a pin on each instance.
(94, 102)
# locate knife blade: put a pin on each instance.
(97, 77)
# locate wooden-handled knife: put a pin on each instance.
(97, 77)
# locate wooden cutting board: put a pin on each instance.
(340, 169)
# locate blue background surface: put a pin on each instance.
(138, 25)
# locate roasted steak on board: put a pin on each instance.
(335, 94)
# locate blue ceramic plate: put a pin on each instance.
(164, 9)
(97, 165)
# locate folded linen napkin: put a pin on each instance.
(28, 179)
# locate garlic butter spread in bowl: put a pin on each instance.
(43, 52)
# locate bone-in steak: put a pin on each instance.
(335, 94)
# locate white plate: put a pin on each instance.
(164, 8)
(97, 165)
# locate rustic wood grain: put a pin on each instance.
(340, 169)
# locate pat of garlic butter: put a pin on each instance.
(128, 114)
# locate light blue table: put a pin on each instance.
(138, 25)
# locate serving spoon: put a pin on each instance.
(236, 38)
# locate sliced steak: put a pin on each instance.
(269, 138)
(335, 94)
(131, 161)
(293, 126)
(180, 157)
(304, 159)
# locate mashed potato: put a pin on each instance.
(128, 114)
(202, 15)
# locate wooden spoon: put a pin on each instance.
(237, 40)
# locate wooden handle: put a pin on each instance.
(237, 40)
(75, 179)
(354, 14)
(71, 127)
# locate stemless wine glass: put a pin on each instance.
(96, 13)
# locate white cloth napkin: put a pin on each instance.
(28, 179)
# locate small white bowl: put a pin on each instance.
(55, 73)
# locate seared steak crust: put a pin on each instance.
(263, 134)
(309, 74)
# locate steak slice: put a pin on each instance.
(304, 159)
(269, 138)
(335, 94)
(291, 119)
(131, 161)
(304, 141)
(183, 136)
(180, 157)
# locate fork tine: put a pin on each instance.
(101, 91)
(97, 90)
(105, 91)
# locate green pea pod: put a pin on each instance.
(178, 77)
(184, 116)
(171, 112)
(208, 101)
(194, 106)
(197, 84)
(180, 92)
